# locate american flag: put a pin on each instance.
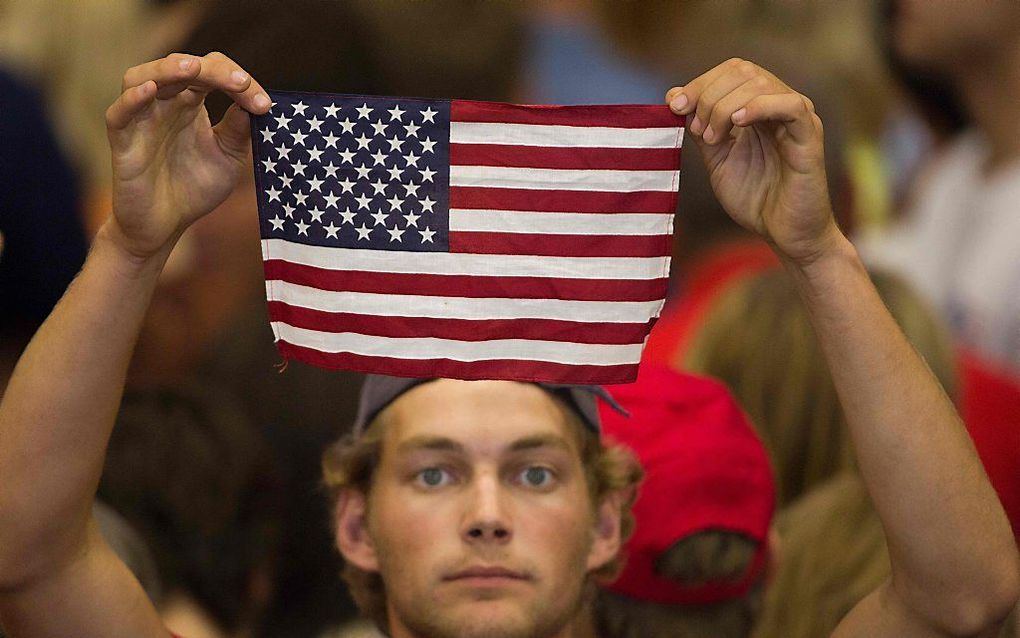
(470, 240)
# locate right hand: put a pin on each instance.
(170, 165)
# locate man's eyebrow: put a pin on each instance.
(438, 443)
(539, 441)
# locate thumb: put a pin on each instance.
(234, 130)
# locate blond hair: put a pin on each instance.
(351, 462)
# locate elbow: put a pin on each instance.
(986, 606)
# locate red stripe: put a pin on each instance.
(460, 329)
(615, 115)
(561, 201)
(467, 285)
(462, 241)
(510, 369)
(638, 159)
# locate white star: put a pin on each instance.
(347, 185)
(364, 111)
(288, 210)
(347, 125)
(395, 143)
(411, 159)
(299, 108)
(426, 174)
(363, 141)
(302, 228)
(412, 129)
(380, 218)
(286, 179)
(270, 165)
(347, 156)
(331, 200)
(412, 219)
(395, 113)
(282, 121)
(267, 135)
(379, 158)
(299, 137)
(395, 233)
(314, 124)
(428, 115)
(395, 173)
(363, 232)
(427, 204)
(299, 168)
(277, 223)
(316, 214)
(411, 189)
(284, 151)
(348, 216)
(363, 201)
(380, 128)
(273, 193)
(395, 202)
(331, 140)
(300, 198)
(314, 184)
(315, 154)
(331, 110)
(379, 186)
(331, 230)
(427, 144)
(426, 235)
(363, 171)
(331, 170)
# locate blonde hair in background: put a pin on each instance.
(757, 339)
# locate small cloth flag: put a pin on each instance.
(469, 240)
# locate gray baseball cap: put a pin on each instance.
(380, 390)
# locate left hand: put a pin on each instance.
(762, 145)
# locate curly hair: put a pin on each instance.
(351, 462)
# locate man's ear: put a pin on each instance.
(352, 536)
(606, 533)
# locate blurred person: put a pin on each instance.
(955, 568)
(957, 240)
(185, 467)
(700, 554)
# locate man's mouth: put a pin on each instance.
(482, 575)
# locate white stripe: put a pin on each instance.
(563, 179)
(467, 264)
(553, 135)
(512, 221)
(392, 305)
(432, 348)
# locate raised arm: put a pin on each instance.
(57, 576)
(955, 570)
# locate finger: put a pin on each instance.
(234, 130)
(174, 68)
(127, 107)
(793, 110)
(221, 73)
(720, 120)
(684, 101)
(722, 86)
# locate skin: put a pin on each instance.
(479, 474)
(954, 562)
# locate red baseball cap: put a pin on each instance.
(705, 469)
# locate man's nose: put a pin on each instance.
(487, 519)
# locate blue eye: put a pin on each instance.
(536, 476)
(433, 477)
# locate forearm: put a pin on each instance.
(60, 405)
(949, 540)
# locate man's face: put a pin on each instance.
(479, 513)
(942, 35)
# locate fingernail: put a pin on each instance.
(696, 125)
(679, 102)
(186, 63)
(262, 101)
(709, 134)
(739, 116)
(238, 77)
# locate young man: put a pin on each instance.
(954, 562)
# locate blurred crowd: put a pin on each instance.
(212, 488)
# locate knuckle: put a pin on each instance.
(111, 116)
(747, 69)
(734, 62)
(761, 83)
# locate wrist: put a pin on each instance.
(824, 265)
(111, 245)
